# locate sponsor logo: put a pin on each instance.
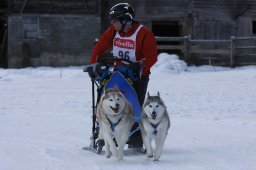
(123, 43)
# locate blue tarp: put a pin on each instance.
(128, 91)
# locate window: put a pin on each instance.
(166, 28)
(254, 27)
(30, 28)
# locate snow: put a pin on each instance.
(45, 119)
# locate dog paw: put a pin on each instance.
(156, 159)
(115, 154)
(119, 158)
(150, 156)
(108, 155)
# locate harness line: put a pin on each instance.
(154, 126)
(113, 125)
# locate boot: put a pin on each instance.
(135, 140)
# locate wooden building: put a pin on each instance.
(63, 32)
(3, 34)
(51, 32)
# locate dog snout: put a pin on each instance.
(117, 105)
(153, 113)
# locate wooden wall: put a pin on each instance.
(219, 19)
(54, 6)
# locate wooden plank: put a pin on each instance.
(170, 47)
(246, 38)
(209, 41)
(250, 55)
(204, 51)
(246, 47)
(170, 38)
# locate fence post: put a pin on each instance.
(232, 50)
(186, 47)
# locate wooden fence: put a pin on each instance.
(189, 46)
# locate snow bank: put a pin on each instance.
(169, 63)
(45, 119)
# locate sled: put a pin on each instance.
(104, 76)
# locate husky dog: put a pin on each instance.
(154, 124)
(114, 114)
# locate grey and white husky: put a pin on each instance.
(114, 114)
(154, 124)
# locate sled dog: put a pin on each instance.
(115, 117)
(154, 124)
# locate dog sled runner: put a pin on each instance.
(104, 76)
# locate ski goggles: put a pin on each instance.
(115, 20)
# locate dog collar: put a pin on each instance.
(154, 127)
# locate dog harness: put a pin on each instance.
(154, 127)
(113, 125)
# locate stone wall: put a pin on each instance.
(51, 40)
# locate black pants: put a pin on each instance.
(140, 87)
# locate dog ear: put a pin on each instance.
(104, 91)
(148, 95)
(158, 94)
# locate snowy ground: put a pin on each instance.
(45, 119)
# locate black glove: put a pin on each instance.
(95, 70)
(100, 68)
(91, 72)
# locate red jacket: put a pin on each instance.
(145, 46)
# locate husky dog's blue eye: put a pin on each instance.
(117, 99)
(111, 100)
(150, 105)
(157, 105)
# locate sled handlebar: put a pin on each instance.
(96, 69)
(107, 63)
(115, 59)
(120, 59)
